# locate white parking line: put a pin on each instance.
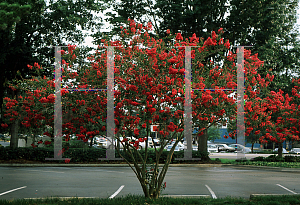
(211, 192)
(115, 171)
(12, 190)
(116, 193)
(43, 171)
(286, 188)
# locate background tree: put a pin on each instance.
(269, 26)
(213, 133)
(26, 39)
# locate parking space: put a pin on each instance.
(105, 182)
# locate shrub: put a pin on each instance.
(84, 155)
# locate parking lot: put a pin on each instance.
(105, 182)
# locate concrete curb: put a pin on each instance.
(186, 196)
(105, 165)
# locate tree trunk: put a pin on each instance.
(252, 147)
(91, 142)
(202, 142)
(14, 134)
(280, 150)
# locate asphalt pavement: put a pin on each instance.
(105, 182)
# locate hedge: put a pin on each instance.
(79, 155)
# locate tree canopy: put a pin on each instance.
(29, 29)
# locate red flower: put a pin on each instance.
(194, 39)
(47, 142)
(179, 37)
(168, 31)
(133, 30)
(171, 127)
(144, 125)
(43, 100)
(4, 125)
(124, 140)
(29, 66)
(179, 130)
(136, 132)
(209, 42)
(33, 145)
(173, 60)
(51, 98)
(67, 160)
(151, 52)
(40, 142)
(227, 44)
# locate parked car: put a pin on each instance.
(177, 148)
(224, 147)
(240, 148)
(212, 148)
(156, 142)
(295, 151)
(181, 145)
(283, 150)
(143, 144)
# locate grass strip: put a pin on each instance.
(223, 161)
(270, 164)
(134, 199)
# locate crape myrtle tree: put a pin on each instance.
(149, 84)
(29, 29)
(274, 118)
(255, 106)
(269, 26)
(149, 76)
(35, 109)
(283, 123)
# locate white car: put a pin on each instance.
(224, 147)
(295, 151)
(283, 150)
(212, 148)
(143, 144)
(177, 148)
(240, 148)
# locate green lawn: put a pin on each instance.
(136, 200)
(259, 163)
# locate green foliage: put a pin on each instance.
(275, 158)
(269, 26)
(79, 155)
(29, 29)
(25, 153)
(213, 133)
(11, 13)
(273, 161)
